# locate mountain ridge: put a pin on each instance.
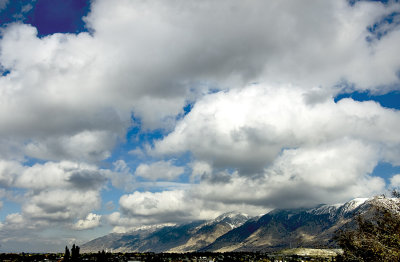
(235, 231)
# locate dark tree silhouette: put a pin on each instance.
(74, 253)
(102, 256)
(67, 254)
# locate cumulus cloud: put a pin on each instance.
(67, 89)
(3, 195)
(199, 169)
(8, 171)
(287, 146)
(218, 52)
(87, 146)
(64, 174)
(248, 129)
(123, 224)
(147, 204)
(166, 207)
(18, 232)
(14, 220)
(61, 205)
(121, 176)
(69, 99)
(163, 170)
(55, 194)
(52, 117)
(395, 181)
(91, 221)
(301, 177)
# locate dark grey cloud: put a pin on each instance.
(84, 180)
(217, 178)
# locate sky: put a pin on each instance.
(119, 114)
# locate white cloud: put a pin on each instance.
(121, 166)
(14, 220)
(267, 147)
(247, 129)
(8, 171)
(60, 175)
(332, 49)
(125, 224)
(91, 221)
(333, 165)
(147, 204)
(26, 8)
(55, 194)
(61, 205)
(69, 99)
(395, 181)
(173, 206)
(65, 89)
(287, 147)
(328, 173)
(121, 176)
(200, 168)
(49, 92)
(85, 146)
(147, 208)
(161, 170)
(300, 177)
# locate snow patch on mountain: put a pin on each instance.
(123, 230)
(353, 204)
(231, 215)
(234, 219)
(392, 204)
(338, 209)
(325, 209)
(235, 231)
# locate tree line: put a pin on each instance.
(72, 256)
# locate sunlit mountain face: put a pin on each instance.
(144, 114)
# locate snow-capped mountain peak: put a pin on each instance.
(232, 215)
(235, 231)
(325, 209)
(234, 219)
(122, 230)
(338, 209)
(352, 205)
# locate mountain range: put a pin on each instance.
(234, 231)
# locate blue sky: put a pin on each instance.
(136, 113)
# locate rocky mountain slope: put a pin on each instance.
(278, 229)
(288, 228)
(181, 238)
